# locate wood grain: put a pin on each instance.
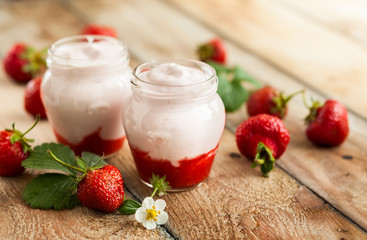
(322, 167)
(235, 202)
(19, 221)
(347, 17)
(319, 57)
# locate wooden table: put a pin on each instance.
(313, 193)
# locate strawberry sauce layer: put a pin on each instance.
(93, 143)
(189, 173)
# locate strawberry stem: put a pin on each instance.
(313, 109)
(264, 158)
(281, 102)
(65, 164)
(34, 124)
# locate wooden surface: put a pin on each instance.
(313, 193)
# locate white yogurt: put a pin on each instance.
(187, 123)
(85, 87)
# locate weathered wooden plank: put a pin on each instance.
(317, 56)
(21, 222)
(347, 17)
(147, 47)
(25, 21)
(236, 202)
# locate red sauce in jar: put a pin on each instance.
(189, 173)
(93, 143)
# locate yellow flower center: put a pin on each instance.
(151, 214)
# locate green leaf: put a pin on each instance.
(40, 159)
(51, 190)
(129, 207)
(239, 75)
(92, 160)
(218, 67)
(233, 94)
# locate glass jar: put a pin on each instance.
(174, 127)
(84, 91)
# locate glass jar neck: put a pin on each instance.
(191, 91)
(88, 55)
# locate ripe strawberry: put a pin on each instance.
(99, 30)
(22, 62)
(214, 50)
(327, 124)
(14, 148)
(263, 138)
(102, 189)
(268, 100)
(32, 98)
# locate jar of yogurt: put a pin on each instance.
(174, 121)
(84, 91)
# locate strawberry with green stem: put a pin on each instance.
(327, 123)
(270, 101)
(262, 138)
(23, 62)
(14, 148)
(100, 187)
(214, 50)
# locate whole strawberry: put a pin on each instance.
(327, 123)
(263, 138)
(102, 189)
(99, 30)
(214, 50)
(22, 62)
(32, 98)
(14, 148)
(268, 100)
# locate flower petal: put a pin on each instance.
(162, 218)
(149, 224)
(148, 203)
(141, 214)
(160, 204)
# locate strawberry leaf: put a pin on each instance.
(233, 94)
(239, 75)
(230, 88)
(51, 190)
(93, 161)
(40, 159)
(129, 207)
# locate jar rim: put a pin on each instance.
(87, 38)
(186, 62)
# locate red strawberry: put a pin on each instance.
(14, 148)
(263, 138)
(270, 101)
(214, 50)
(22, 62)
(99, 30)
(32, 99)
(327, 124)
(102, 189)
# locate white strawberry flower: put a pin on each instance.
(152, 213)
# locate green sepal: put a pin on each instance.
(93, 161)
(159, 184)
(129, 207)
(51, 190)
(36, 60)
(264, 158)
